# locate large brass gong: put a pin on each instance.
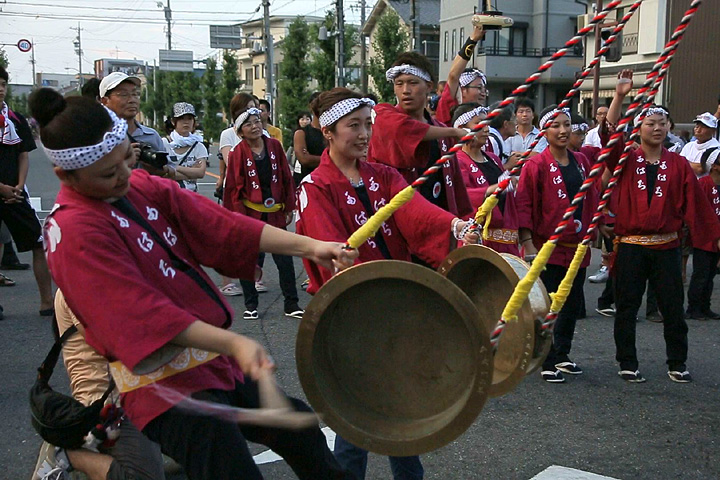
(489, 279)
(391, 355)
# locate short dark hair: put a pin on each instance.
(91, 88)
(505, 115)
(68, 123)
(524, 102)
(417, 60)
(262, 101)
(4, 74)
(577, 119)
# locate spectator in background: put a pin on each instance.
(16, 141)
(308, 143)
(698, 151)
(186, 150)
(274, 132)
(593, 136)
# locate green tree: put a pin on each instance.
(322, 59)
(212, 124)
(391, 39)
(294, 76)
(230, 82)
(3, 59)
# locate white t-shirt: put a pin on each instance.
(693, 151)
(228, 138)
(593, 138)
(186, 159)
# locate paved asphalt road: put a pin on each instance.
(594, 422)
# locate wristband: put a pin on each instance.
(467, 49)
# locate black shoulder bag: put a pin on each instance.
(60, 419)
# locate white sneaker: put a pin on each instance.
(53, 464)
(231, 290)
(260, 286)
(601, 276)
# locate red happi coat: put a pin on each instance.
(477, 185)
(712, 192)
(446, 103)
(541, 199)
(329, 209)
(677, 198)
(397, 141)
(124, 290)
(242, 181)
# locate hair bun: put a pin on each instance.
(45, 104)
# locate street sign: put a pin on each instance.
(24, 45)
(176, 60)
(226, 36)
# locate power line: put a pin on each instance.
(118, 8)
(147, 21)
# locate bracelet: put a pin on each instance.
(467, 49)
(453, 227)
(523, 240)
(469, 226)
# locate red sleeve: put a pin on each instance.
(234, 182)
(699, 214)
(321, 220)
(526, 194)
(446, 103)
(234, 245)
(424, 226)
(396, 138)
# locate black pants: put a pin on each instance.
(9, 256)
(209, 448)
(286, 270)
(607, 297)
(634, 266)
(701, 282)
(565, 323)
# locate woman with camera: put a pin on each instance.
(127, 250)
(188, 155)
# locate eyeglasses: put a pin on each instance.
(126, 95)
(482, 88)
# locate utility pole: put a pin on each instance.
(269, 61)
(155, 85)
(413, 26)
(363, 52)
(78, 50)
(168, 19)
(340, 45)
(32, 61)
(596, 73)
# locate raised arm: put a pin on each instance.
(462, 58)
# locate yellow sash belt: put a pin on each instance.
(651, 239)
(259, 207)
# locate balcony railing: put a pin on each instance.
(524, 52)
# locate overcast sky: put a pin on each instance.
(127, 29)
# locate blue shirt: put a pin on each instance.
(147, 135)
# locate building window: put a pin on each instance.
(454, 41)
(256, 68)
(445, 46)
(248, 76)
(518, 41)
(462, 35)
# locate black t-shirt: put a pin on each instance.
(573, 178)
(9, 154)
(315, 144)
(651, 171)
(264, 169)
(379, 239)
(492, 173)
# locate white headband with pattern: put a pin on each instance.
(582, 127)
(466, 78)
(81, 157)
(652, 111)
(393, 72)
(467, 116)
(342, 108)
(550, 114)
(242, 118)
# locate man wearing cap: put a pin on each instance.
(697, 151)
(464, 85)
(121, 94)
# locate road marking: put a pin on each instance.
(268, 456)
(556, 472)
